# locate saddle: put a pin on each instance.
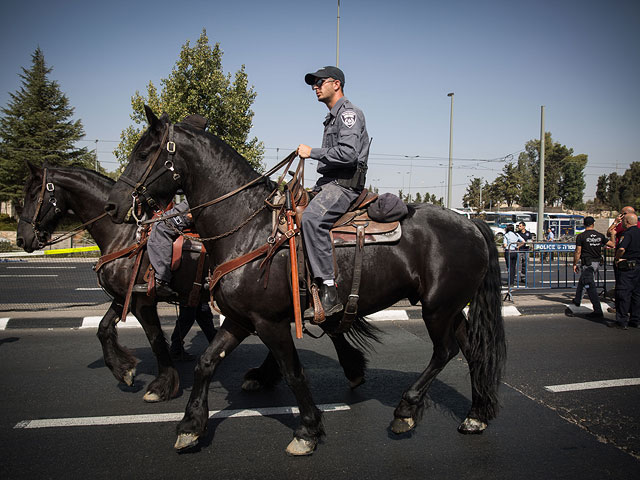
(344, 230)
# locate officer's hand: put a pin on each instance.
(575, 268)
(304, 151)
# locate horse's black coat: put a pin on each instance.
(443, 260)
(84, 192)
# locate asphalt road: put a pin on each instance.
(587, 434)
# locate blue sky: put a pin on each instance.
(503, 60)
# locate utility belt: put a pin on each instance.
(626, 265)
(586, 262)
(357, 181)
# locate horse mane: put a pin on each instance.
(198, 124)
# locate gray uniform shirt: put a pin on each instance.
(345, 143)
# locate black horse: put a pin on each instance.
(84, 192)
(443, 260)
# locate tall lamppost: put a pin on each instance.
(450, 152)
(338, 38)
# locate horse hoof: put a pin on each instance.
(356, 383)
(186, 440)
(402, 425)
(472, 426)
(128, 377)
(300, 446)
(251, 385)
(151, 397)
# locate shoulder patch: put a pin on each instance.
(349, 118)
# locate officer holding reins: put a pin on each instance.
(342, 165)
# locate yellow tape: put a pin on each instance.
(71, 250)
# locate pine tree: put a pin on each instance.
(197, 84)
(36, 126)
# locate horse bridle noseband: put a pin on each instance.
(52, 203)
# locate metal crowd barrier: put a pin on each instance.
(550, 266)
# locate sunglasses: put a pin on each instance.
(321, 81)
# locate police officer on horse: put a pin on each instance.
(342, 165)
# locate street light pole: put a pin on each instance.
(338, 38)
(450, 151)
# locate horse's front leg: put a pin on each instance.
(277, 337)
(196, 415)
(167, 383)
(117, 358)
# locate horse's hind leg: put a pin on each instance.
(167, 383)
(351, 359)
(410, 409)
(266, 375)
(476, 421)
(117, 358)
(194, 423)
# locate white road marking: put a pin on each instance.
(388, 315)
(570, 387)
(167, 417)
(26, 276)
(3, 323)
(41, 268)
(87, 289)
(93, 322)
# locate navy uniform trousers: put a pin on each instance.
(628, 296)
(329, 204)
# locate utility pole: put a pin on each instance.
(96, 163)
(338, 38)
(540, 227)
(450, 150)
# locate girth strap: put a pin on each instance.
(351, 307)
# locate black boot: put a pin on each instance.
(164, 290)
(330, 302)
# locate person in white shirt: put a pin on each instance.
(511, 242)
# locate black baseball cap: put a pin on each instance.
(588, 221)
(325, 72)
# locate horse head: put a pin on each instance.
(41, 211)
(151, 176)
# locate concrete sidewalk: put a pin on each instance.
(522, 304)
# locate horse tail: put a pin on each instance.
(485, 328)
(363, 334)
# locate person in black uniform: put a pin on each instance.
(589, 252)
(342, 165)
(627, 260)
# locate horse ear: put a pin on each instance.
(151, 117)
(35, 171)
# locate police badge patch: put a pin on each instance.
(349, 118)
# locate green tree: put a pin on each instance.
(601, 190)
(36, 126)
(197, 84)
(613, 191)
(418, 197)
(507, 187)
(573, 184)
(630, 186)
(473, 193)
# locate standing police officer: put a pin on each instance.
(342, 164)
(589, 251)
(627, 261)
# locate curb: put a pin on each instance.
(92, 322)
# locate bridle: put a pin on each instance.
(140, 192)
(52, 203)
(140, 187)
